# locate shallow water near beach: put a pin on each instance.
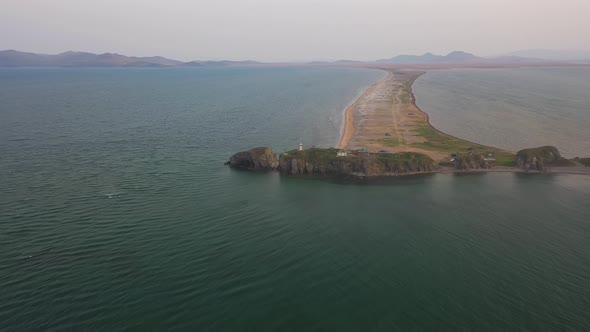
(116, 213)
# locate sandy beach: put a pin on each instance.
(385, 117)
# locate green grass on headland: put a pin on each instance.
(392, 142)
(437, 141)
(313, 153)
(504, 158)
(410, 157)
(330, 154)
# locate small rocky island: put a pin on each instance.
(362, 163)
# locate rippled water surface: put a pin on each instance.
(511, 108)
(116, 213)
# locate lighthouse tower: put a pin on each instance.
(300, 146)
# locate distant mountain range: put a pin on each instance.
(559, 55)
(452, 57)
(218, 63)
(456, 57)
(11, 58)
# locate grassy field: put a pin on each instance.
(434, 140)
(404, 157)
(330, 154)
(504, 158)
(313, 153)
(392, 142)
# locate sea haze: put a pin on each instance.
(511, 108)
(117, 213)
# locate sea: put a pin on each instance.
(118, 214)
(513, 109)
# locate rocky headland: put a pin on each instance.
(540, 158)
(256, 159)
(333, 162)
(360, 163)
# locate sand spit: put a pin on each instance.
(385, 118)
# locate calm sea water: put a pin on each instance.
(116, 213)
(511, 108)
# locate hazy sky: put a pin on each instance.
(279, 30)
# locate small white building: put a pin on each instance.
(342, 153)
(300, 146)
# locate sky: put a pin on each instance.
(292, 30)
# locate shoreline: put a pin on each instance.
(344, 112)
(348, 128)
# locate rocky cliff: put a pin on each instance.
(470, 161)
(325, 162)
(258, 159)
(538, 158)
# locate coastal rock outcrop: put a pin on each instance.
(258, 159)
(326, 162)
(538, 158)
(470, 161)
(333, 162)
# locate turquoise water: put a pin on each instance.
(513, 109)
(117, 213)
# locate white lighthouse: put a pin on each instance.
(300, 146)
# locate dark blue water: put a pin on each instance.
(116, 213)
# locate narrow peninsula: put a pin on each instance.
(386, 134)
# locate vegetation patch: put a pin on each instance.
(358, 162)
(404, 157)
(390, 142)
(439, 142)
(436, 141)
(470, 160)
(504, 158)
(539, 158)
(401, 162)
(313, 154)
(544, 153)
